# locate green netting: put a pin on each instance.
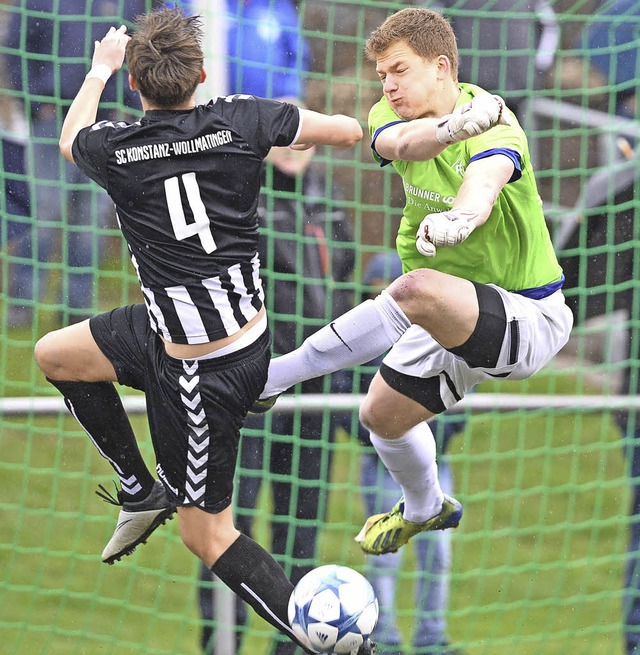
(538, 560)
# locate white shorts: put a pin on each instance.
(535, 331)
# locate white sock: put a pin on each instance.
(356, 337)
(411, 460)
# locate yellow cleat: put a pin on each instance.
(385, 533)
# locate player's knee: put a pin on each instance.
(365, 418)
(372, 418)
(414, 291)
(205, 539)
(193, 543)
(47, 356)
(200, 546)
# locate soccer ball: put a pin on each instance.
(333, 609)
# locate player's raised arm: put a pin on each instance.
(108, 57)
(337, 130)
(422, 139)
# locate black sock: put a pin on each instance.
(98, 409)
(252, 573)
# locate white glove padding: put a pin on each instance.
(425, 247)
(473, 118)
(444, 229)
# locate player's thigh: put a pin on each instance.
(195, 410)
(72, 354)
(445, 305)
(513, 338)
(125, 338)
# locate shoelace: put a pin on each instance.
(108, 497)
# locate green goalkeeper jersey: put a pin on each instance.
(513, 248)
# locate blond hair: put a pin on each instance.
(428, 33)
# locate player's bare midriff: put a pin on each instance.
(189, 350)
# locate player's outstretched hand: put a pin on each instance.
(444, 229)
(481, 114)
(110, 51)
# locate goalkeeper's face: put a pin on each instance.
(412, 85)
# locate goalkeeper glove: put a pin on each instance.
(473, 118)
(444, 229)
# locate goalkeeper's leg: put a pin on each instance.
(411, 460)
(418, 379)
(444, 305)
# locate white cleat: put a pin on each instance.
(136, 521)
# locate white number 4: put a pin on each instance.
(201, 225)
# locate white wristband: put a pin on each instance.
(101, 71)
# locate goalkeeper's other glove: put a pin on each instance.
(444, 229)
(473, 118)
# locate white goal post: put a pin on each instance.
(475, 402)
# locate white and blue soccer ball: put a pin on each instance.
(333, 609)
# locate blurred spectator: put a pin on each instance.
(609, 224)
(380, 493)
(15, 206)
(268, 55)
(611, 46)
(506, 54)
(301, 255)
(48, 45)
(14, 201)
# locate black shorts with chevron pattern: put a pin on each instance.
(195, 408)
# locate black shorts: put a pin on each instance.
(195, 408)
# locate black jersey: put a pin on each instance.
(186, 186)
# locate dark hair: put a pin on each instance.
(428, 33)
(164, 56)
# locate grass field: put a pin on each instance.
(537, 560)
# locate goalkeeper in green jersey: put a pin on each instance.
(481, 295)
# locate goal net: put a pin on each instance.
(544, 467)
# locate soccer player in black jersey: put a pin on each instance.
(185, 180)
